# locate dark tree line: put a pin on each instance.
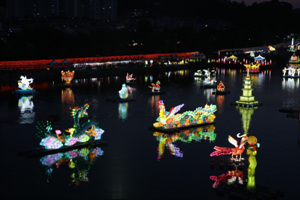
(259, 24)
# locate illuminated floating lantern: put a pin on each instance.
(173, 121)
(247, 100)
(291, 72)
(78, 134)
(251, 152)
(209, 82)
(155, 88)
(236, 152)
(129, 78)
(124, 94)
(221, 89)
(67, 76)
(252, 68)
(205, 73)
(24, 85)
(294, 59)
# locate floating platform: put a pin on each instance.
(118, 99)
(247, 105)
(200, 76)
(294, 61)
(177, 129)
(24, 92)
(208, 86)
(288, 110)
(221, 92)
(155, 93)
(42, 151)
(291, 76)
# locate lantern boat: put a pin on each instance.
(294, 59)
(79, 134)
(173, 121)
(41, 151)
(221, 89)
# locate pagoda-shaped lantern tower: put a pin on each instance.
(247, 100)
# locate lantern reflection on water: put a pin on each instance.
(186, 136)
(78, 160)
(123, 107)
(26, 110)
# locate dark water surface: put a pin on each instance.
(130, 166)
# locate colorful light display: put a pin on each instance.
(252, 68)
(174, 120)
(24, 85)
(251, 152)
(210, 82)
(247, 100)
(67, 76)
(77, 134)
(155, 87)
(292, 71)
(236, 153)
(186, 136)
(129, 78)
(123, 93)
(221, 89)
(78, 160)
(294, 59)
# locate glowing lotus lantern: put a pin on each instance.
(67, 76)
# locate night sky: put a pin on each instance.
(295, 3)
